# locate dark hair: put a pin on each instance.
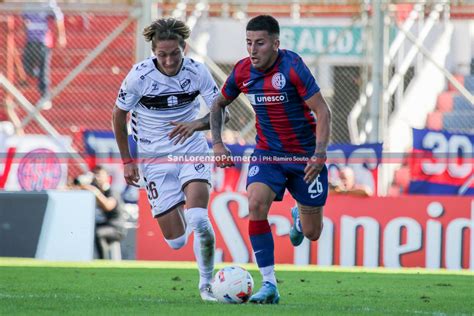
(264, 23)
(166, 29)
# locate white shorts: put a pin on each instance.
(166, 177)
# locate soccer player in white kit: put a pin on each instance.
(161, 93)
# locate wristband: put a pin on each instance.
(127, 161)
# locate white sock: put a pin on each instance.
(177, 243)
(204, 242)
(189, 229)
(268, 274)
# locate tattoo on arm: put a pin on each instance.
(205, 121)
(323, 129)
(217, 117)
(321, 146)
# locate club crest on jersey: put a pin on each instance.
(199, 167)
(253, 171)
(278, 81)
(185, 84)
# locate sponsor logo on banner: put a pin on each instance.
(418, 231)
(34, 162)
(363, 159)
(39, 170)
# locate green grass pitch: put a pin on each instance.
(130, 288)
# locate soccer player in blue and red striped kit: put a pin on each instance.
(291, 148)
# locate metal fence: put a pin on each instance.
(84, 74)
(101, 44)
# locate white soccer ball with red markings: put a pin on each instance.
(232, 285)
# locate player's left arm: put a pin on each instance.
(323, 131)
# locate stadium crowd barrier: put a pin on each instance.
(48, 225)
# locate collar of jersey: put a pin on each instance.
(280, 53)
(155, 64)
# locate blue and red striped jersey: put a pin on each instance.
(284, 121)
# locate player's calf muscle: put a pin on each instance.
(312, 221)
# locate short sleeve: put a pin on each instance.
(230, 90)
(208, 88)
(128, 95)
(303, 79)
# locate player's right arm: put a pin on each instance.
(217, 115)
(229, 92)
(127, 99)
(130, 168)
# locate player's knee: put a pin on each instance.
(258, 206)
(313, 235)
(198, 219)
(177, 243)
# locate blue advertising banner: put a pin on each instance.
(441, 163)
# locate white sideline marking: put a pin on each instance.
(28, 262)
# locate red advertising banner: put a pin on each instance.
(415, 231)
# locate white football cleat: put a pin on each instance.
(206, 293)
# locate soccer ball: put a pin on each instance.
(232, 285)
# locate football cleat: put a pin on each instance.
(268, 294)
(296, 237)
(206, 293)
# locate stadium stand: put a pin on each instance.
(85, 103)
(401, 181)
(453, 113)
(276, 8)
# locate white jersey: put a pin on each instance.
(156, 99)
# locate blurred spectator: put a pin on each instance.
(348, 186)
(39, 41)
(110, 226)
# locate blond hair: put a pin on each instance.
(166, 29)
